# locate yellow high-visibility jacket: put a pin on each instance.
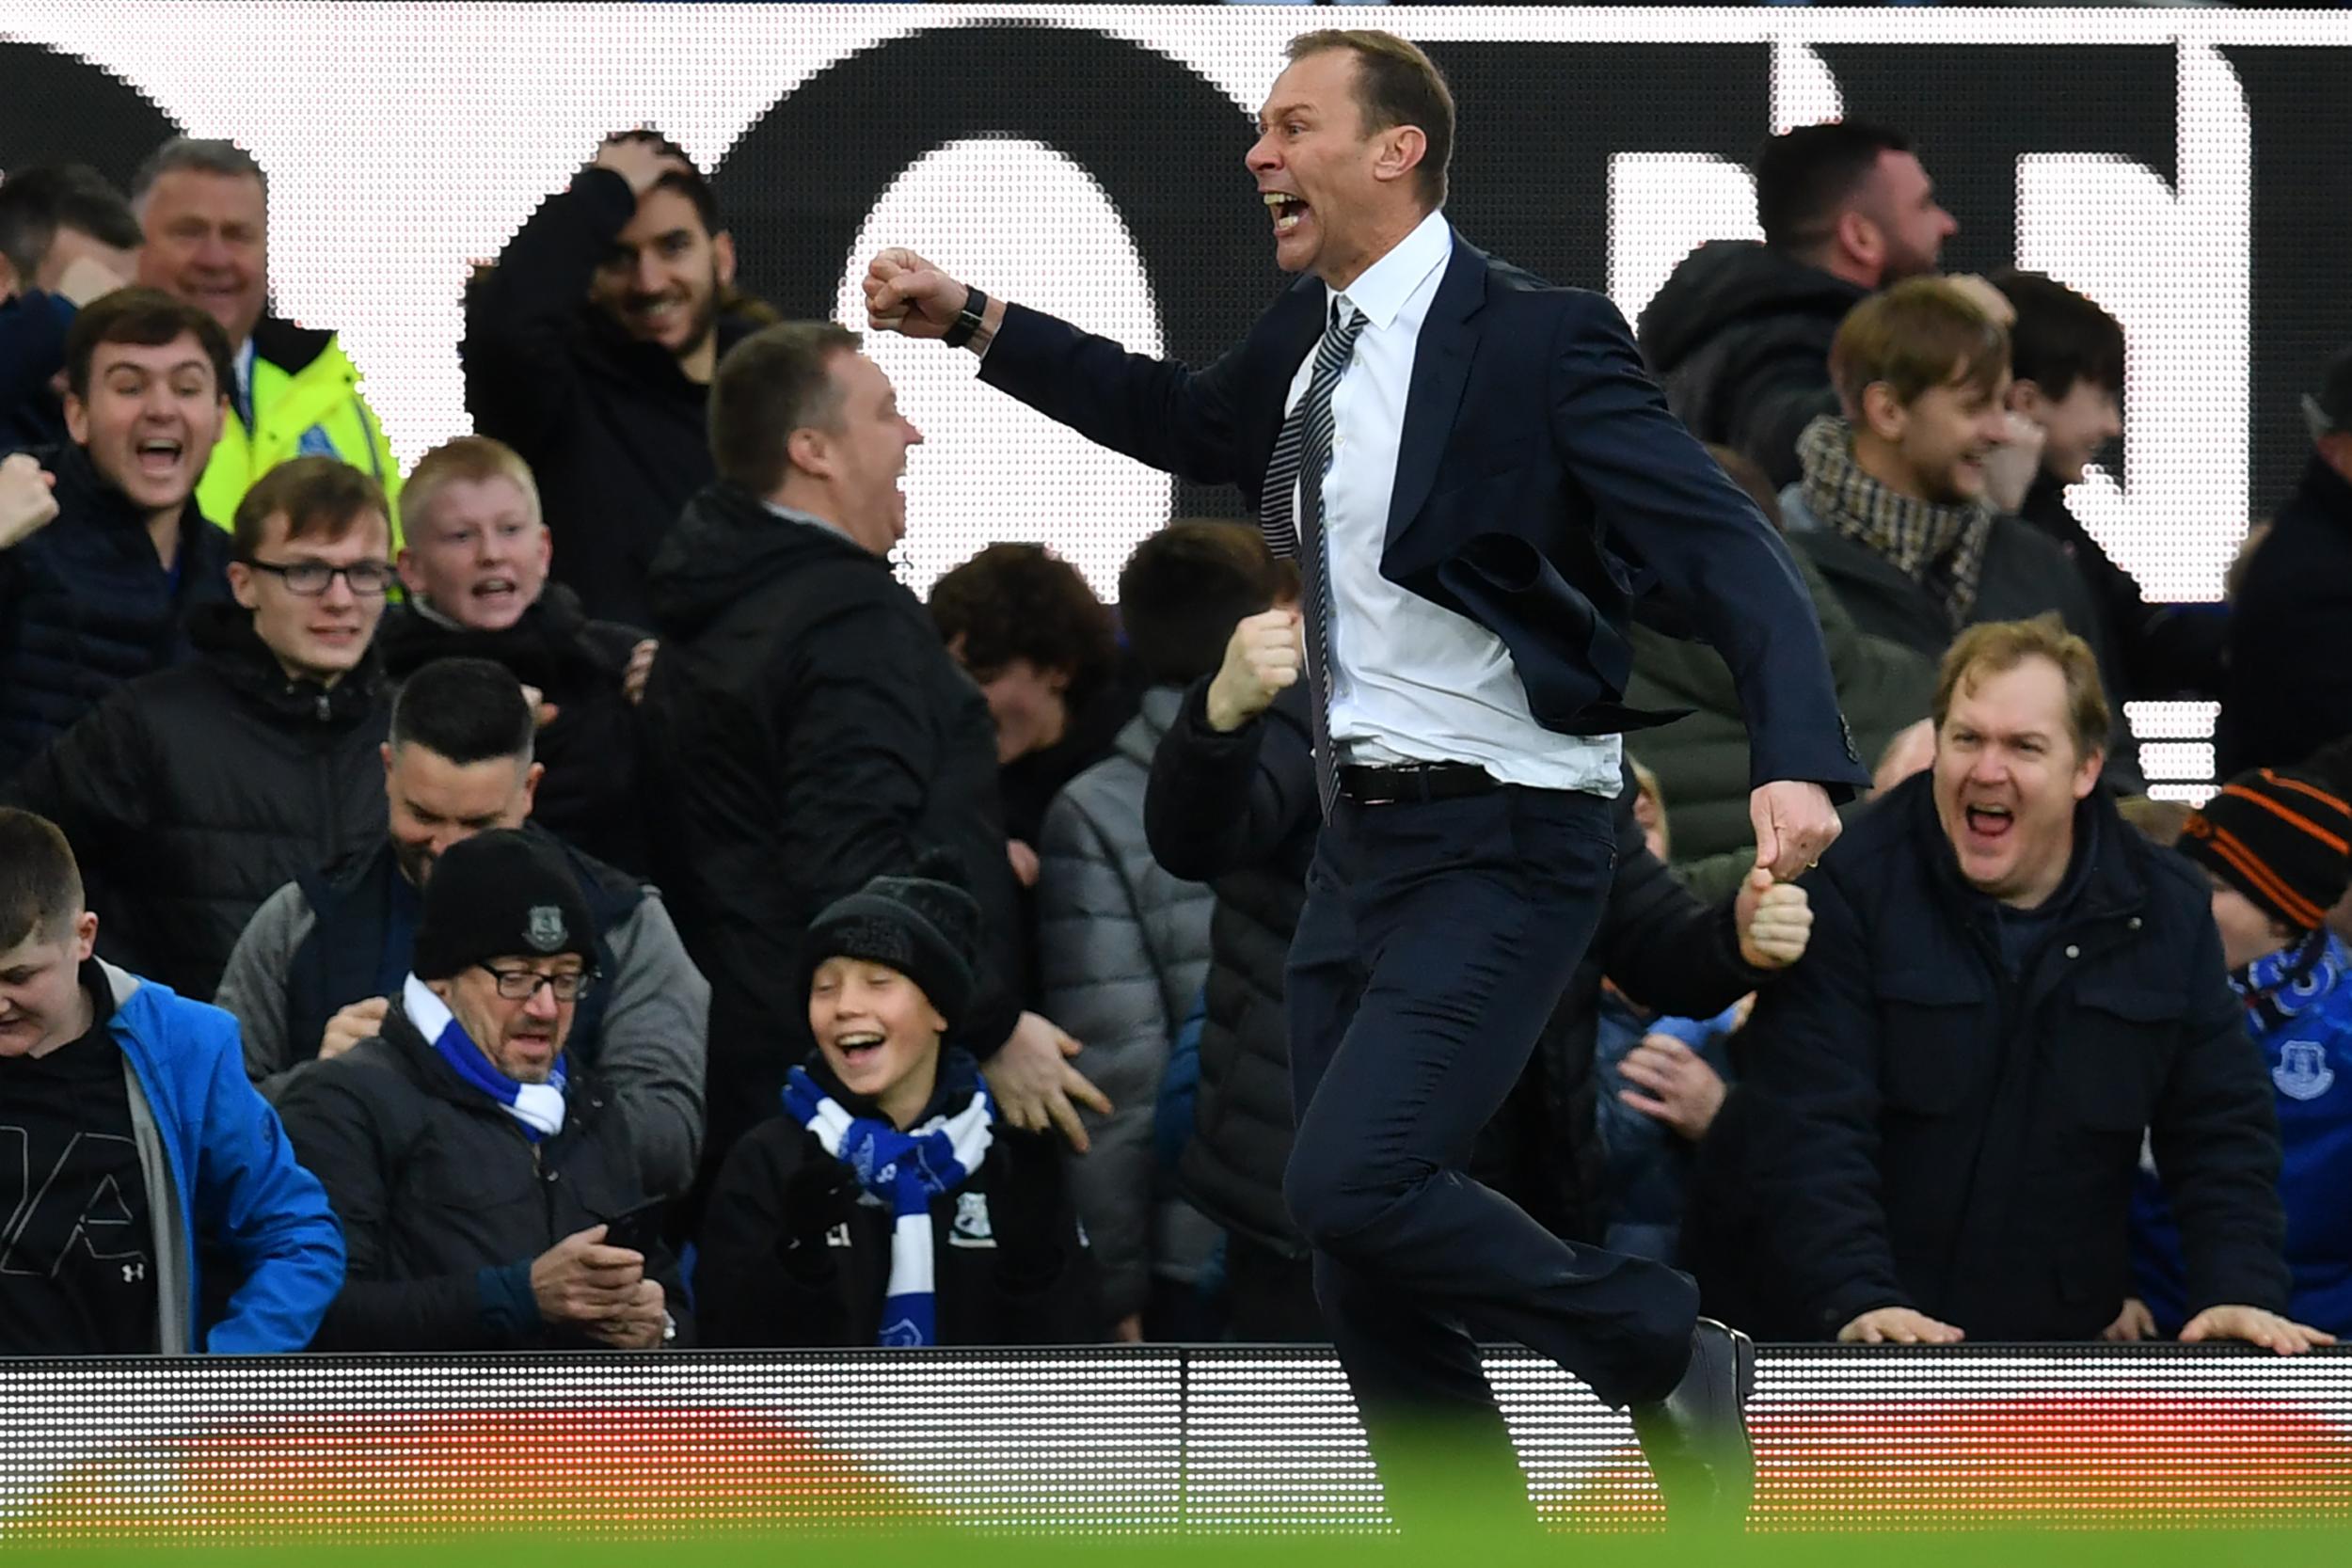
(305, 403)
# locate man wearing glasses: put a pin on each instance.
(488, 1197)
(191, 794)
(323, 957)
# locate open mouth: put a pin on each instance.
(860, 1049)
(496, 589)
(159, 456)
(1288, 212)
(1989, 822)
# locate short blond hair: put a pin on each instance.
(468, 459)
(1996, 647)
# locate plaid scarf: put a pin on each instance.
(1939, 547)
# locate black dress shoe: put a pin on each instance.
(1696, 1437)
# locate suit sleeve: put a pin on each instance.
(340, 1136)
(1667, 949)
(1220, 802)
(1667, 505)
(1810, 1080)
(271, 1215)
(519, 313)
(1177, 419)
(652, 1051)
(1102, 986)
(2216, 1134)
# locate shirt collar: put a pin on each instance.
(808, 517)
(1388, 282)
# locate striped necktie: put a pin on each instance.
(1301, 454)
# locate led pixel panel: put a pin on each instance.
(1089, 159)
(1150, 1439)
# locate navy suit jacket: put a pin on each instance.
(1541, 487)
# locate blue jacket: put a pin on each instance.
(1649, 1164)
(2304, 1027)
(217, 1164)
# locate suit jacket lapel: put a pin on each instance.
(1441, 362)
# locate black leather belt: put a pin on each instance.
(1421, 780)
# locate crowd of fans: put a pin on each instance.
(574, 894)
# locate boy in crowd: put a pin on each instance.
(889, 1206)
(2274, 843)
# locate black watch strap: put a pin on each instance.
(968, 321)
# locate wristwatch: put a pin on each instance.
(968, 320)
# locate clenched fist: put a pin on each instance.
(1263, 657)
(28, 499)
(908, 296)
(1794, 822)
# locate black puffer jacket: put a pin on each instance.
(85, 605)
(806, 731)
(589, 797)
(445, 1202)
(614, 430)
(1238, 811)
(193, 794)
(1739, 336)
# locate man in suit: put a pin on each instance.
(1446, 442)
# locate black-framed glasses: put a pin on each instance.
(521, 985)
(311, 579)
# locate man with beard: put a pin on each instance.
(485, 1184)
(321, 961)
(103, 551)
(475, 560)
(589, 349)
(1740, 334)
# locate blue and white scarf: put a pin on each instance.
(538, 1107)
(906, 1170)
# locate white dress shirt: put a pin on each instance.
(1411, 682)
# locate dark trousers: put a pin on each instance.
(1437, 939)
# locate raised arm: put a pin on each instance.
(1153, 410)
